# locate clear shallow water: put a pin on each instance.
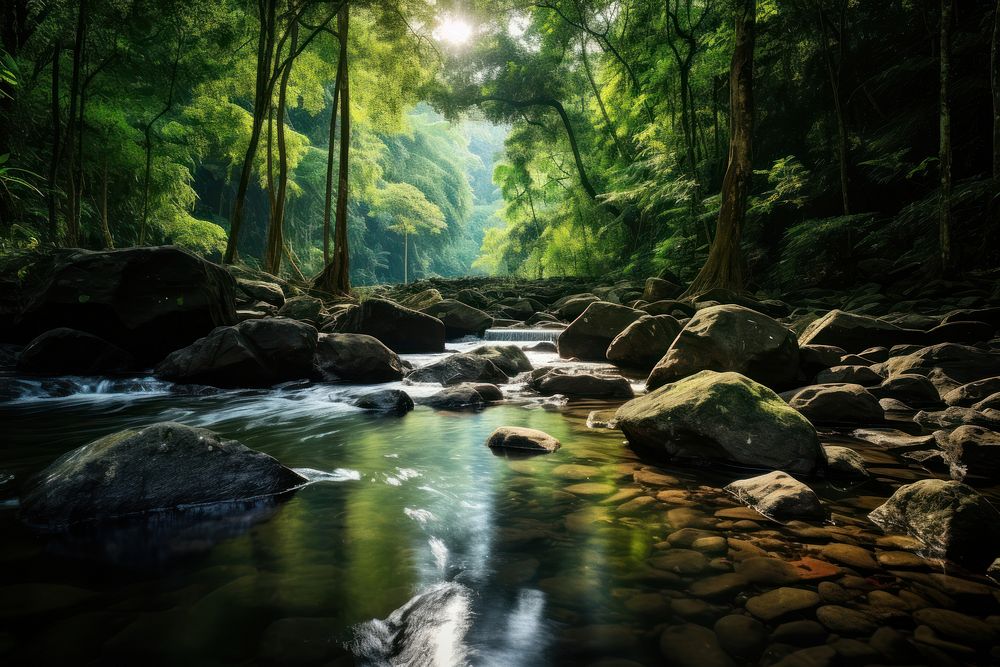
(420, 546)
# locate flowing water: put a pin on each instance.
(416, 545)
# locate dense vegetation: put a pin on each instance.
(870, 129)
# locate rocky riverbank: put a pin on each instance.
(789, 392)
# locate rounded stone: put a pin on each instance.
(780, 602)
(740, 636)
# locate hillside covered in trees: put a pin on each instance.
(591, 136)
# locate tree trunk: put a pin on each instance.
(406, 256)
(56, 137)
(724, 266)
(995, 83)
(335, 277)
(944, 154)
(148, 139)
(609, 126)
(109, 241)
(74, 95)
(262, 93)
(275, 232)
(328, 199)
(834, 74)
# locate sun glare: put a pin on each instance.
(454, 30)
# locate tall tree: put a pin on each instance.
(328, 193)
(269, 69)
(724, 265)
(335, 277)
(944, 151)
(275, 234)
(995, 86)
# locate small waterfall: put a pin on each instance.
(522, 335)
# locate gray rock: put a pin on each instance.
(259, 290)
(721, 417)
(644, 342)
(741, 636)
(909, 388)
(254, 353)
(854, 332)
(303, 308)
(590, 334)
(393, 401)
(949, 518)
(70, 352)
(527, 440)
(148, 301)
(971, 451)
(424, 299)
(947, 365)
(731, 338)
(508, 358)
(658, 288)
(162, 466)
(954, 416)
(459, 397)
(458, 368)
(844, 462)
(969, 394)
(459, 319)
(862, 375)
(402, 330)
(691, 645)
(356, 358)
(780, 602)
(837, 404)
(778, 496)
(582, 385)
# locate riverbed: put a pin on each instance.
(415, 543)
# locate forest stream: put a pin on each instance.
(416, 544)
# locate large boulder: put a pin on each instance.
(387, 401)
(459, 319)
(731, 338)
(508, 358)
(971, 451)
(254, 353)
(947, 365)
(657, 289)
(148, 301)
(303, 307)
(725, 417)
(423, 299)
(582, 385)
(401, 329)
(590, 334)
(65, 351)
(854, 332)
(837, 404)
(950, 518)
(356, 358)
(969, 394)
(778, 495)
(158, 467)
(458, 368)
(571, 307)
(644, 342)
(260, 290)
